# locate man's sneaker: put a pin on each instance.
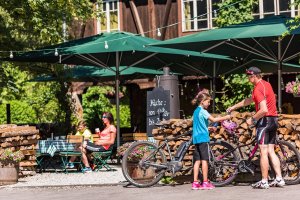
(277, 183)
(70, 165)
(195, 185)
(260, 185)
(87, 170)
(206, 186)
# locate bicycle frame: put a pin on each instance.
(165, 143)
(239, 146)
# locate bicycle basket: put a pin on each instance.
(229, 126)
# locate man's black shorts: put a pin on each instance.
(266, 129)
(201, 151)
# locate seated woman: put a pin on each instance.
(104, 143)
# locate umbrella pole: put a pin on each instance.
(279, 76)
(117, 99)
(214, 86)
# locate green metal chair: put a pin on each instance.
(73, 141)
(100, 158)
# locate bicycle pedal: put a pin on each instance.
(249, 170)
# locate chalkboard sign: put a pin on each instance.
(158, 107)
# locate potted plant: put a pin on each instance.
(136, 154)
(9, 166)
(293, 87)
(122, 149)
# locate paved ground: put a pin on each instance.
(111, 185)
(101, 177)
(178, 192)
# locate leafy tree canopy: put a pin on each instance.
(31, 24)
(234, 12)
(28, 24)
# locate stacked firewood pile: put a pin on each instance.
(22, 138)
(171, 129)
(289, 130)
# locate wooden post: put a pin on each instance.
(166, 18)
(77, 104)
(136, 17)
(152, 19)
(8, 116)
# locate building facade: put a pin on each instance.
(165, 19)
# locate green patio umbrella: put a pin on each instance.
(258, 39)
(88, 73)
(114, 49)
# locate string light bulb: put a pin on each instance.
(158, 32)
(11, 55)
(105, 45)
(56, 52)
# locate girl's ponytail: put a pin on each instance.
(202, 95)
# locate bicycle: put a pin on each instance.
(144, 163)
(228, 160)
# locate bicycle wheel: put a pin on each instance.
(289, 162)
(143, 164)
(223, 167)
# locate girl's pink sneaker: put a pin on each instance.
(206, 186)
(195, 185)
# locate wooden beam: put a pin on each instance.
(136, 17)
(166, 18)
(152, 19)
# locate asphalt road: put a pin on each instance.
(178, 192)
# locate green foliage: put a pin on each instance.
(30, 102)
(95, 102)
(234, 12)
(35, 23)
(124, 112)
(42, 98)
(13, 86)
(167, 180)
(297, 2)
(294, 23)
(236, 88)
(21, 113)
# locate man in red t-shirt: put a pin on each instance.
(266, 121)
